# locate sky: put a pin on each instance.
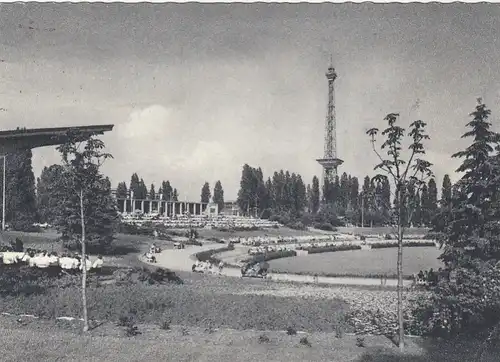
(197, 90)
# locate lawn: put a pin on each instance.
(37, 340)
(282, 231)
(189, 304)
(360, 262)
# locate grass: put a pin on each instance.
(50, 341)
(190, 305)
(360, 262)
(282, 231)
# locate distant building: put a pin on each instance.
(169, 208)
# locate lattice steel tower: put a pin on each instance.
(330, 162)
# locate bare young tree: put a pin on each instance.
(404, 174)
(82, 157)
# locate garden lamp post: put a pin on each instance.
(3, 196)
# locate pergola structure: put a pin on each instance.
(14, 140)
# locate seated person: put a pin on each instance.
(87, 264)
(150, 258)
(98, 263)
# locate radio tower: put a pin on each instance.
(330, 162)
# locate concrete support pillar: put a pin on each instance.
(142, 206)
(132, 204)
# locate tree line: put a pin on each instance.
(285, 193)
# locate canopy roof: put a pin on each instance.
(12, 140)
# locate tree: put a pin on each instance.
(473, 231)
(432, 204)
(20, 196)
(142, 192)
(468, 230)
(134, 186)
(446, 192)
(205, 193)
(88, 211)
(175, 196)
(218, 197)
(152, 192)
(414, 171)
(166, 191)
(315, 197)
(49, 197)
(121, 190)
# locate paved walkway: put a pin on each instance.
(183, 259)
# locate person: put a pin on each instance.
(87, 264)
(66, 263)
(221, 266)
(98, 263)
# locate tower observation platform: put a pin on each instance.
(330, 162)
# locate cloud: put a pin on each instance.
(152, 121)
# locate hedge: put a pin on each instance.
(326, 249)
(408, 243)
(208, 255)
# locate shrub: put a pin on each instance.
(327, 249)
(263, 339)
(296, 225)
(324, 226)
(145, 275)
(432, 236)
(208, 255)
(471, 304)
(405, 244)
(291, 331)
(132, 331)
(165, 324)
(305, 342)
(360, 342)
(133, 229)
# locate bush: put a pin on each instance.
(133, 229)
(208, 255)
(324, 226)
(360, 342)
(328, 249)
(305, 342)
(145, 275)
(432, 236)
(291, 331)
(405, 244)
(273, 255)
(263, 339)
(470, 305)
(165, 324)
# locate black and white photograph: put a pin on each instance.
(258, 181)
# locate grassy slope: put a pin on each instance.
(49, 341)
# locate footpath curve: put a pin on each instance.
(183, 259)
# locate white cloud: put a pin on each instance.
(206, 155)
(152, 121)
